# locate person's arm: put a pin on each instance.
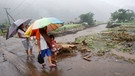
(48, 40)
(20, 36)
(57, 46)
(38, 40)
(38, 44)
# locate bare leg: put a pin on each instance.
(55, 58)
(50, 62)
(43, 64)
(49, 59)
(27, 52)
(30, 51)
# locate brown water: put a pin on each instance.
(16, 63)
(71, 37)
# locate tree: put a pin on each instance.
(123, 15)
(88, 17)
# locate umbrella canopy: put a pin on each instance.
(13, 28)
(51, 23)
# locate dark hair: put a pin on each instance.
(20, 27)
(52, 36)
(43, 30)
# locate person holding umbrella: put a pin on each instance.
(25, 40)
(40, 28)
(44, 45)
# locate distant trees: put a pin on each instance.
(4, 26)
(123, 15)
(88, 17)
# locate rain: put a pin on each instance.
(102, 47)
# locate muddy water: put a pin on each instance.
(71, 37)
(14, 62)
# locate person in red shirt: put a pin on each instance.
(44, 45)
(54, 48)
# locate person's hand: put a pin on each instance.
(39, 50)
(27, 38)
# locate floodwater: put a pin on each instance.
(71, 37)
(14, 62)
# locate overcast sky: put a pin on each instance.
(65, 10)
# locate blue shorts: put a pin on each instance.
(46, 51)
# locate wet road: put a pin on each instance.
(16, 63)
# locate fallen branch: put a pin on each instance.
(87, 57)
(66, 47)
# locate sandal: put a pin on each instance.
(52, 65)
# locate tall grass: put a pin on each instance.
(69, 26)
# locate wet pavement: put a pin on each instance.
(14, 62)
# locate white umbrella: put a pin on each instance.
(13, 28)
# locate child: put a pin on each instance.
(25, 40)
(54, 48)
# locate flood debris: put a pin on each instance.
(84, 43)
(131, 60)
(84, 49)
(87, 57)
(100, 53)
(66, 48)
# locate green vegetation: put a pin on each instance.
(74, 26)
(88, 17)
(2, 32)
(67, 27)
(70, 26)
(3, 29)
(127, 23)
(120, 38)
(123, 15)
(95, 42)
